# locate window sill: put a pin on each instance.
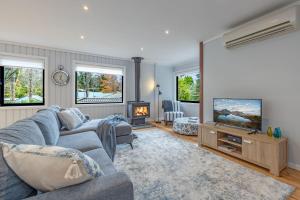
(23, 107)
(188, 102)
(99, 105)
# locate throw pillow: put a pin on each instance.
(79, 114)
(47, 168)
(69, 119)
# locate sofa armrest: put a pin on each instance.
(116, 186)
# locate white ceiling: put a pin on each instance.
(121, 27)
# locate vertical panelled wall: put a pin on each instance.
(63, 95)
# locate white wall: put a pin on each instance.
(63, 95)
(269, 70)
(147, 86)
(190, 109)
(164, 76)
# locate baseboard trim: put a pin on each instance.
(294, 166)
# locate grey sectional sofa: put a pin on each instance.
(44, 129)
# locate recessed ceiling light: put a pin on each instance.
(82, 37)
(167, 32)
(85, 7)
(142, 48)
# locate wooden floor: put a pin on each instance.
(288, 175)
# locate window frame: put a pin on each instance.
(95, 65)
(2, 84)
(176, 80)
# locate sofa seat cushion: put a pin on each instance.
(101, 157)
(123, 128)
(90, 125)
(84, 141)
(47, 122)
(21, 132)
(125, 139)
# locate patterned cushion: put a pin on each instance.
(38, 165)
(79, 114)
(47, 122)
(69, 119)
(21, 132)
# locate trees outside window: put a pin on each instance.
(188, 87)
(98, 86)
(21, 84)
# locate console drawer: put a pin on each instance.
(249, 147)
(209, 137)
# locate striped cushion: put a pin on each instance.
(176, 106)
(171, 116)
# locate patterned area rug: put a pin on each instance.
(164, 167)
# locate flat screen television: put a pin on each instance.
(243, 113)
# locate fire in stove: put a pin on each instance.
(141, 111)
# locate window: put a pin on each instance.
(188, 87)
(21, 82)
(98, 85)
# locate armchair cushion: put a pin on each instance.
(167, 105)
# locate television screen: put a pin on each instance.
(244, 113)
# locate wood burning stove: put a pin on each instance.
(137, 111)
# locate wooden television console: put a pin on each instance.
(260, 149)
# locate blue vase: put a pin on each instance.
(277, 132)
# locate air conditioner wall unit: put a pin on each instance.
(275, 23)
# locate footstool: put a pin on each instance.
(186, 125)
(124, 133)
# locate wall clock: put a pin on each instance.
(60, 77)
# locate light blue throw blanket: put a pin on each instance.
(106, 131)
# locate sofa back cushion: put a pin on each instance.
(48, 124)
(21, 132)
(54, 109)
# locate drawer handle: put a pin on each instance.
(248, 141)
(212, 132)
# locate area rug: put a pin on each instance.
(162, 166)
